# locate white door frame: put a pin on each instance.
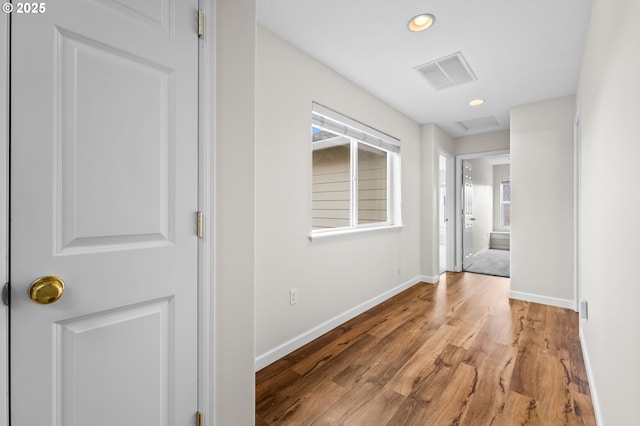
(4, 214)
(206, 198)
(449, 211)
(459, 215)
(206, 204)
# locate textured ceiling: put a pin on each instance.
(521, 51)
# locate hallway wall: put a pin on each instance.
(483, 142)
(542, 202)
(333, 275)
(432, 140)
(608, 99)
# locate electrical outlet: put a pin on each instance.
(584, 309)
(293, 296)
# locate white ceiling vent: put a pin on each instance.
(479, 123)
(446, 72)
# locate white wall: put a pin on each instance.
(608, 97)
(482, 203)
(500, 172)
(234, 205)
(483, 142)
(542, 201)
(433, 139)
(332, 275)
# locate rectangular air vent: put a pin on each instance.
(478, 123)
(446, 72)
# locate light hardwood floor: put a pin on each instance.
(456, 353)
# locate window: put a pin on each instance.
(354, 174)
(505, 203)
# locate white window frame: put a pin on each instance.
(358, 133)
(502, 202)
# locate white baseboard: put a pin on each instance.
(592, 383)
(430, 280)
(545, 300)
(278, 352)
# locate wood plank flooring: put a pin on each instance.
(457, 353)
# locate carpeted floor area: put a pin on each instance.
(491, 262)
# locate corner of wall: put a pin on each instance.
(234, 208)
(595, 401)
(302, 339)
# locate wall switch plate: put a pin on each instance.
(293, 296)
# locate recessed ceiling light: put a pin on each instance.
(421, 22)
(477, 102)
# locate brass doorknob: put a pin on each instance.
(46, 290)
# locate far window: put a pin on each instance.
(353, 174)
(505, 203)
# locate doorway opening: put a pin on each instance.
(484, 219)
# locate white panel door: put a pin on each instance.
(104, 196)
(468, 218)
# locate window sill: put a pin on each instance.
(350, 231)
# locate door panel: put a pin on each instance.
(135, 204)
(469, 219)
(104, 195)
(91, 353)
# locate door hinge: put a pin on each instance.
(199, 228)
(200, 23)
(198, 418)
(6, 295)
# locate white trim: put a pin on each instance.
(206, 196)
(545, 300)
(429, 280)
(340, 232)
(502, 203)
(278, 352)
(595, 401)
(577, 149)
(353, 188)
(450, 211)
(4, 215)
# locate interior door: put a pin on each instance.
(104, 196)
(468, 218)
